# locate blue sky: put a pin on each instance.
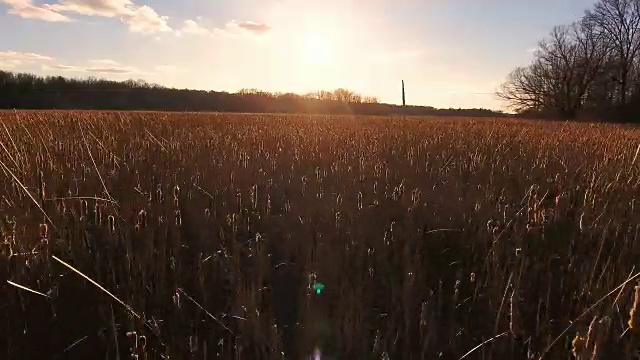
(451, 53)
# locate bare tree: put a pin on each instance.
(592, 51)
(558, 56)
(618, 22)
(523, 90)
(370, 100)
(347, 96)
(554, 81)
(563, 75)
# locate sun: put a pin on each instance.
(317, 49)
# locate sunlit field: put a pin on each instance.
(203, 236)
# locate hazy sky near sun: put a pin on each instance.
(451, 53)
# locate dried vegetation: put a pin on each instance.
(200, 236)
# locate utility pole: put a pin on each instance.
(404, 103)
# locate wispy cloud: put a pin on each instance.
(27, 10)
(141, 19)
(106, 8)
(13, 59)
(193, 28)
(111, 67)
(250, 26)
(138, 18)
(23, 56)
(8, 64)
(108, 66)
(102, 66)
(104, 62)
(108, 70)
(146, 20)
(62, 67)
(232, 28)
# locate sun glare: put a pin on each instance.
(317, 49)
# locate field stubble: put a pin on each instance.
(431, 236)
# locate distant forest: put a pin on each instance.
(28, 91)
(588, 69)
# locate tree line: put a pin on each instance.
(587, 69)
(343, 95)
(28, 91)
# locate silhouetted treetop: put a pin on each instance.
(590, 68)
(27, 91)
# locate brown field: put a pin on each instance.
(203, 233)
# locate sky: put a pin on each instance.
(450, 53)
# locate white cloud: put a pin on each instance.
(232, 28)
(106, 8)
(9, 64)
(27, 10)
(61, 67)
(192, 27)
(109, 70)
(102, 66)
(108, 66)
(23, 56)
(146, 20)
(138, 18)
(104, 62)
(253, 27)
(13, 59)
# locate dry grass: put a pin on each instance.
(197, 236)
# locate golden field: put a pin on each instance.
(190, 235)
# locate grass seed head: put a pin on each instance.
(634, 314)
